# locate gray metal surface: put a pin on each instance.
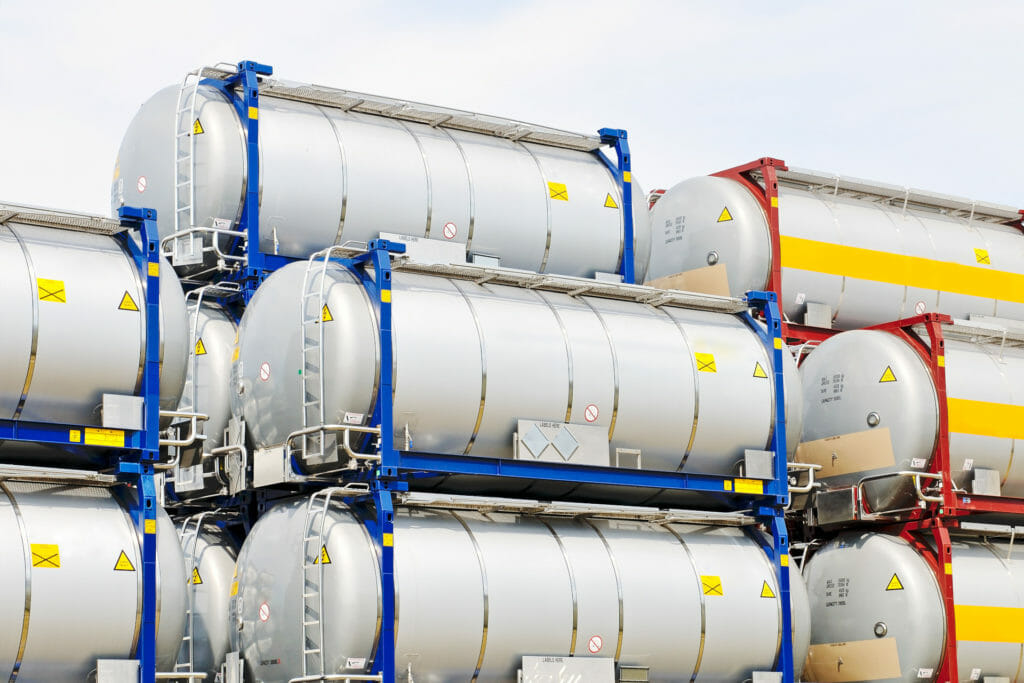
(688, 226)
(64, 605)
(67, 337)
(471, 360)
(332, 174)
(208, 379)
(478, 591)
(863, 579)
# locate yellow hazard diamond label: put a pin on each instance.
(609, 201)
(705, 362)
(558, 191)
(725, 215)
(51, 290)
(887, 376)
(981, 256)
(894, 584)
(711, 585)
(45, 555)
(123, 564)
(766, 591)
(127, 303)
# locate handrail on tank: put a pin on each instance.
(346, 444)
(193, 420)
(912, 474)
(336, 677)
(214, 246)
(810, 468)
(180, 675)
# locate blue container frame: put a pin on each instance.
(134, 461)
(398, 468)
(242, 90)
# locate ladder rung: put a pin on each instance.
(313, 651)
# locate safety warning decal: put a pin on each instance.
(725, 215)
(759, 371)
(711, 585)
(609, 202)
(197, 128)
(324, 557)
(123, 564)
(595, 644)
(705, 362)
(127, 303)
(325, 314)
(264, 371)
(264, 612)
(200, 347)
(894, 584)
(94, 436)
(981, 256)
(590, 413)
(196, 579)
(51, 290)
(887, 376)
(558, 191)
(766, 591)
(45, 555)
(140, 184)
(449, 230)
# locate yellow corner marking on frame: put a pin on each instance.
(627, 177)
(75, 436)
(45, 555)
(123, 564)
(784, 560)
(705, 362)
(711, 585)
(558, 191)
(941, 361)
(51, 290)
(154, 269)
(727, 485)
(104, 437)
(609, 202)
(766, 591)
(385, 296)
(127, 303)
(894, 584)
(949, 568)
(778, 342)
(775, 202)
(254, 113)
(150, 526)
(759, 371)
(389, 540)
(887, 376)
(725, 215)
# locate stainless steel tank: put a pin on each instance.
(866, 381)
(208, 379)
(690, 389)
(210, 566)
(866, 259)
(876, 606)
(329, 176)
(475, 592)
(74, 325)
(72, 582)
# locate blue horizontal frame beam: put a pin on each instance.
(62, 434)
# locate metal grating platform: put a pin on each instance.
(63, 220)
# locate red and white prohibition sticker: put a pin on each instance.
(920, 308)
(590, 413)
(264, 371)
(141, 184)
(449, 230)
(594, 645)
(264, 611)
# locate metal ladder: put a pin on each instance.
(185, 151)
(311, 329)
(312, 581)
(189, 538)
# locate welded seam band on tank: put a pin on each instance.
(688, 351)
(137, 278)
(344, 173)
(898, 236)
(547, 205)
(483, 367)
(703, 600)
(768, 357)
(123, 502)
(572, 587)
(375, 554)
(568, 351)
(426, 173)
(34, 349)
(617, 188)
(27, 554)
(618, 584)
(615, 365)
(778, 594)
(1009, 388)
(472, 187)
(486, 595)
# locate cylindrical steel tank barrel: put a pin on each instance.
(208, 379)
(210, 555)
(691, 389)
(75, 327)
(871, 382)
(329, 176)
(877, 613)
(72, 583)
(475, 592)
(869, 261)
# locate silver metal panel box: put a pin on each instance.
(427, 251)
(568, 670)
(558, 442)
(758, 464)
(117, 671)
(835, 507)
(818, 315)
(986, 482)
(122, 412)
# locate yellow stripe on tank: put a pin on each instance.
(985, 419)
(990, 624)
(897, 269)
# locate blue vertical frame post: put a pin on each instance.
(618, 138)
(774, 516)
(147, 258)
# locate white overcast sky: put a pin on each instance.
(920, 93)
